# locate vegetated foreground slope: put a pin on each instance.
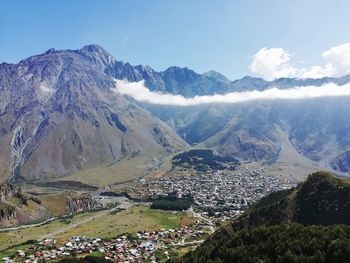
(308, 223)
(291, 243)
(322, 199)
(59, 114)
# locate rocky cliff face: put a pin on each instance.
(8, 191)
(80, 203)
(7, 212)
(17, 207)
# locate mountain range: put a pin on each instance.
(59, 115)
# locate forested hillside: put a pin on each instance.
(292, 243)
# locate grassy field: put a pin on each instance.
(135, 219)
(55, 203)
(122, 171)
(102, 224)
(125, 170)
(11, 238)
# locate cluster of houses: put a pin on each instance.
(50, 250)
(139, 247)
(227, 193)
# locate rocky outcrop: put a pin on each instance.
(8, 190)
(7, 212)
(17, 207)
(80, 203)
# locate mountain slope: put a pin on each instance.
(280, 243)
(317, 129)
(59, 114)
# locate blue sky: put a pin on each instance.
(202, 35)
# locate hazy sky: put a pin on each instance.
(202, 35)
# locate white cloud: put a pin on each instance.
(316, 72)
(138, 91)
(338, 60)
(272, 63)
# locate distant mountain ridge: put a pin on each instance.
(186, 82)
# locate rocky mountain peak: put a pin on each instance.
(218, 76)
(93, 48)
(50, 51)
(96, 54)
(177, 69)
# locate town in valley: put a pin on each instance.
(208, 195)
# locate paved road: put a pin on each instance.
(197, 215)
(27, 226)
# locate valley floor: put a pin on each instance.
(106, 224)
(219, 195)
